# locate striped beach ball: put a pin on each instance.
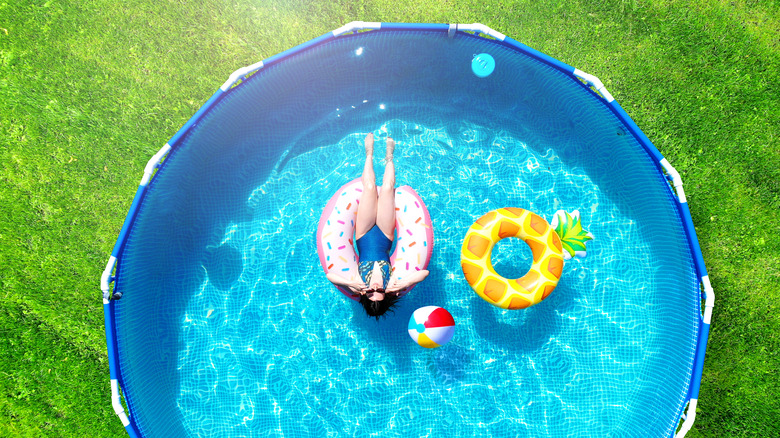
(431, 326)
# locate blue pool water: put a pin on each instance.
(228, 326)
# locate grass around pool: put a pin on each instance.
(90, 90)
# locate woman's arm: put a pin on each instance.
(400, 287)
(355, 286)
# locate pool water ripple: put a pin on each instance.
(270, 345)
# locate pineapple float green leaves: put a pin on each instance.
(573, 236)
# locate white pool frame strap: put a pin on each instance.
(688, 418)
(588, 81)
(676, 180)
(595, 83)
(355, 26)
(240, 74)
(477, 28)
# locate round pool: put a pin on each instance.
(228, 327)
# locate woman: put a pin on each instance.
(374, 235)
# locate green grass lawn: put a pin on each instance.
(91, 89)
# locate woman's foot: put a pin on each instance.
(390, 149)
(370, 144)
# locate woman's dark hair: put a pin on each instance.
(378, 308)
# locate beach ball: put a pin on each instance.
(431, 326)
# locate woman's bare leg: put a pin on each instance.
(366, 211)
(385, 210)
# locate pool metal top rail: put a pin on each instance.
(586, 80)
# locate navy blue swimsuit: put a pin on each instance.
(372, 247)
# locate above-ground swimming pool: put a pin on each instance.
(227, 325)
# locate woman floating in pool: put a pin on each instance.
(378, 284)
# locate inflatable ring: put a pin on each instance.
(413, 243)
(527, 290)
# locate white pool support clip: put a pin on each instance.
(676, 180)
(709, 299)
(690, 417)
(595, 83)
(106, 279)
(481, 28)
(355, 26)
(239, 74)
(153, 164)
(116, 402)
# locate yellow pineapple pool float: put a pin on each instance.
(550, 245)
